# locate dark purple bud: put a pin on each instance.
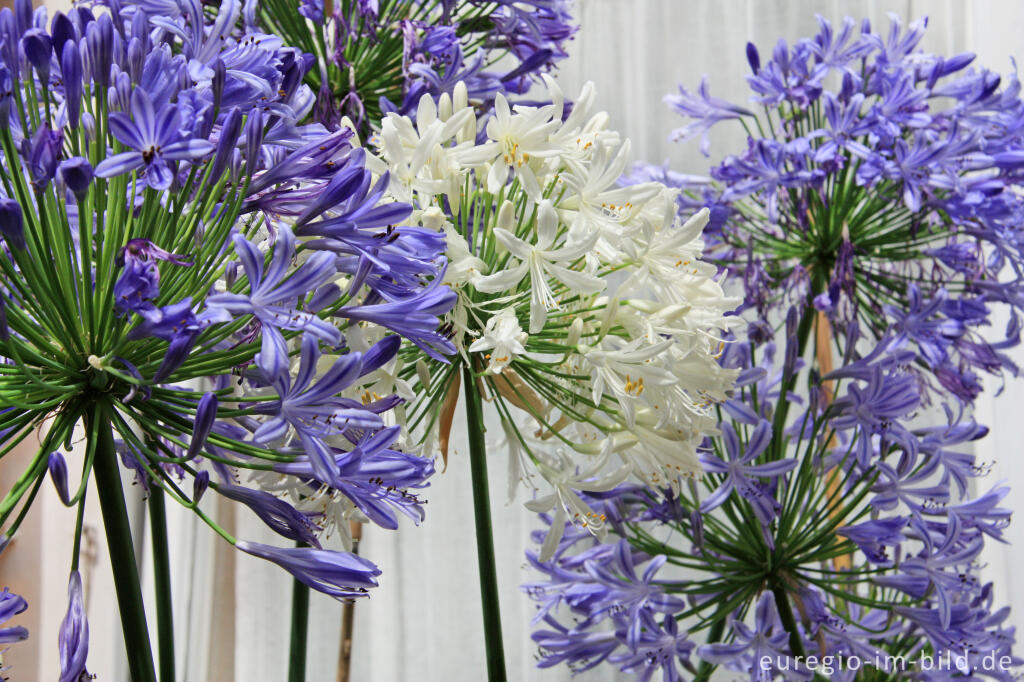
(230, 274)
(865, 26)
(381, 353)
(280, 517)
(206, 415)
(81, 16)
(73, 640)
(253, 139)
(100, 41)
(59, 475)
(220, 73)
(177, 350)
(697, 524)
(43, 155)
(323, 297)
(753, 58)
(76, 174)
(11, 224)
(119, 97)
(38, 48)
(61, 30)
(229, 132)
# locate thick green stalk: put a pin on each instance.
(796, 645)
(122, 554)
(162, 577)
(714, 635)
(484, 531)
(300, 627)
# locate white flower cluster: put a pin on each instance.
(583, 306)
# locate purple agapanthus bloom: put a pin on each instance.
(339, 575)
(11, 605)
(154, 136)
(311, 409)
(764, 641)
(274, 293)
(740, 473)
(852, 115)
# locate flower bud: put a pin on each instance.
(229, 132)
(206, 415)
(71, 72)
(59, 475)
(62, 30)
(99, 37)
(253, 139)
(76, 174)
(753, 58)
(11, 223)
(38, 47)
(199, 486)
(507, 216)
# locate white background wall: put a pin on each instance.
(232, 611)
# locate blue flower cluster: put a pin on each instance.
(874, 223)
(380, 56)
(874, 174)
(844, 529)
(206, 284)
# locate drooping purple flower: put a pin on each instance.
(416, 317)
(311, 409)
(11, 605)
(42, 152)
(872, 537)
(337, 574)
(279, 516)
(76, 174)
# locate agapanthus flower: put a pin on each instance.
(617, 367)
(158, 297)
(877, 173)
(828, 523)
(383, 57)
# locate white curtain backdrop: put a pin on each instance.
(232, 611)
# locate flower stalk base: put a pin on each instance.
(484, 533)
(122, 554)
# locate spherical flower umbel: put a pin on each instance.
(873, 173)
(583, 309)
(159, 297)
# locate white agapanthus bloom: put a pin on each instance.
(585, 316)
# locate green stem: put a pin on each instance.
(484, 532)
(796, 645)
(714, 635)
(162, 577)
(300, 626)
(122, 553)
